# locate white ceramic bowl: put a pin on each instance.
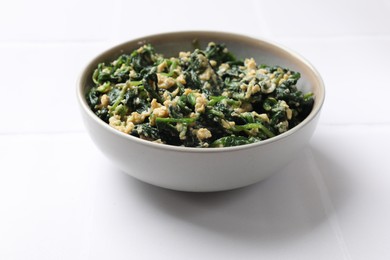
(204, 169)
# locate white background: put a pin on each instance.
(60, 198)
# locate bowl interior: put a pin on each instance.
(264, 52)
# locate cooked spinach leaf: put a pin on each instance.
(203, 98)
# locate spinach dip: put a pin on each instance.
(203, 98)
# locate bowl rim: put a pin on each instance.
(98, 58)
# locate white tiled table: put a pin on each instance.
(61, 199)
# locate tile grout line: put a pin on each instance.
(43, 133)
(265, 32)
(368, 124)
(115, 30)
(327, 204)
(89, 226)
(354, 37)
